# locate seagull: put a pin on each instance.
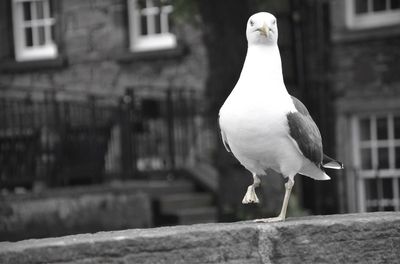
(265, 127)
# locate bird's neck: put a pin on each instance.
(263, 63)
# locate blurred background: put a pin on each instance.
(108, 110)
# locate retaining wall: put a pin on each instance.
(352, 238)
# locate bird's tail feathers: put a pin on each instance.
(329, 163)
(311, 170)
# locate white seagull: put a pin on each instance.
(263, 125)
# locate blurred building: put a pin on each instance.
(95, 92)
(97, 46)
(365, 65)
(69, 66)
(352, 88)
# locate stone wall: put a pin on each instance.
(362, 238)
(74, 210)
(364, 62)
(93, 39)
(368, 68)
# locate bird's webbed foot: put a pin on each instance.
(270, 220)
(250, 196)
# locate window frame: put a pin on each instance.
(382, 18)
(154, 41)
(374, 173)
(37, 52)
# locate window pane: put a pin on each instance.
(157, 3)
(382, 128)
(361, 6)
(395, 4)
(398, 183)
(388, 208)
(379, 5)
(383, 158)
(374, 208)
(27, 11)
(141, 4)
(397, 127)
(28, 37)
(366, 159)
(397, 158)
(365, 131)
(42, 37)
(387, 186)
(52, 32)
(170, 23)
(143, 24)
(157, 23)
(39, 10)
(371, 189)
(51, 8)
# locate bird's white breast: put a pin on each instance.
(255, 124)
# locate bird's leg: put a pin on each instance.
(282, 215)
(288, 190)
(251, 196)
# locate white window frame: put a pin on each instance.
(371, 19)
(34, 52)
(363, 174)
(151, 41)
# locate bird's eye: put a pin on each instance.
(251, 23)
(274, 22)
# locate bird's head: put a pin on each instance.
(262, 29)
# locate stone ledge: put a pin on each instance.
(12, 66)
(352, 238)
(83, 209)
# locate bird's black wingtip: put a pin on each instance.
(330, 163)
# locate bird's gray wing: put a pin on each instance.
(224, 139)
(304, 131)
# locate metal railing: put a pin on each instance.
(73, 138)
(52, 137)
(164, 125)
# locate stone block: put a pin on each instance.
(105, 74)
(76, 43)
(107, 40)
(368, 67)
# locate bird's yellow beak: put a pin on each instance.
(264, 30)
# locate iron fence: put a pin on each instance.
(52, 138)
(164, 125)
(65, 139)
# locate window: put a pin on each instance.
(33, 25)
(372, 13)
(150, 25)
(377, 159)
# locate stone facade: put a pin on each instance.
(93, 42)
(367, 68)
(364, 63)
(364, 78)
